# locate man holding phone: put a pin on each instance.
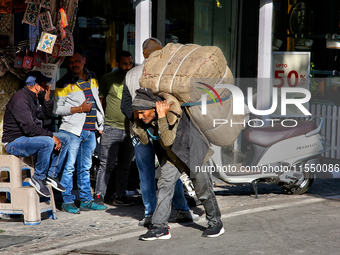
(76, 100)
(23, 134)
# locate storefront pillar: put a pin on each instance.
(264, 71)
(143, 27)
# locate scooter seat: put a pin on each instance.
(268, 135)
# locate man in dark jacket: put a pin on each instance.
(23, 134)
(184, 146)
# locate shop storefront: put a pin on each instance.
(311, 26)
(247, 32)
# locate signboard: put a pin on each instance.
(291, 69)
(50, 70)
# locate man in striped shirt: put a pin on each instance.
(76, 99)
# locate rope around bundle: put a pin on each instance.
(200, 103)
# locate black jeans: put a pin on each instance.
(116, 145)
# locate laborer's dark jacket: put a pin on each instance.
(24, 115)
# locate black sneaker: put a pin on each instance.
(213, 231)
(121, 200)
(55, 183)
(98, 199)
(40, 186)
(146, 222)
(156, 233)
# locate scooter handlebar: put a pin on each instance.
(318, 129)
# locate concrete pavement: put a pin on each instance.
(115, 230)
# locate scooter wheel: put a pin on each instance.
(304, 185)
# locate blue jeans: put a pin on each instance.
(81, 150)
(49, 162)
(115, 144)
(145, 160)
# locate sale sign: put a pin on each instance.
(291, 69)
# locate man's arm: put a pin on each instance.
(103, 102)
(46, 111)
(23, 116)
(126, 103)
(167, 132)
(103, 91)
(60, 97)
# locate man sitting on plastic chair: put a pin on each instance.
(23, 134)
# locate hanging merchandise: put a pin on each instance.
(62, 32)
(3, 68)
(19, 6)
(56, 49)
(218, 4)
(63, 18)
(129, 39)
(37, 59)
(27, 61)
(31, 14)
(66, 45)
(46, 42)
(71, 11)
(46, 21)
(18, 61)
(32, 1)
(47, 4)
(6, 6)
(111, 39)
(5, 24)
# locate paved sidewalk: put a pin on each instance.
(15, 237)
(70, 230)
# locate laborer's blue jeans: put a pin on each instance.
(145, 160)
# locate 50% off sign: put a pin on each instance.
(291, 69)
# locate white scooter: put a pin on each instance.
(287, 156)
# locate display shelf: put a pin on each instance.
(310, 36)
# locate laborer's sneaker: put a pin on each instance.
(99, 199)
(146, 222)
(214, 231)
(155, 233)
(91, 205)
(70, 208)
(121, 200)
(55, 183)
(40, 186)
(187, 216)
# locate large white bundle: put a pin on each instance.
(172, 69)
(225, 130)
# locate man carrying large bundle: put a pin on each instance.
(145, 153)
(187, 71)
(185, 147)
